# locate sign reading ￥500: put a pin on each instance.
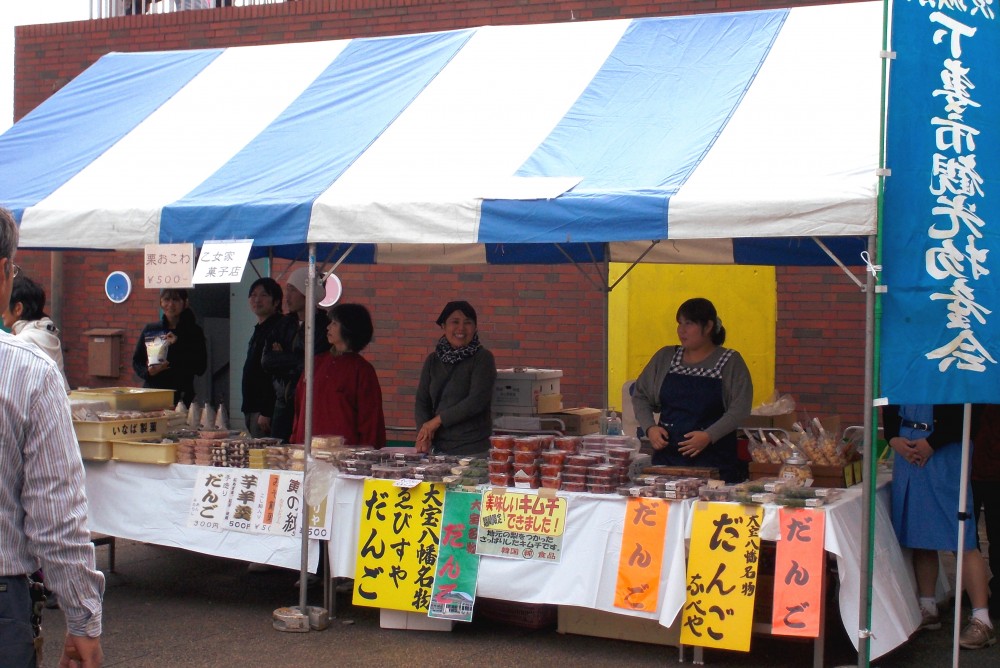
(941, 343)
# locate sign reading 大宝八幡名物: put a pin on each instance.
(721, 576)
(397, 545)
(457, 569)
(519, 525)
(940, 340)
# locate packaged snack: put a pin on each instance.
(156, 348)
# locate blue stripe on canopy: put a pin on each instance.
(266, 191)
(90, 114)
(631, 121)
(807, 253)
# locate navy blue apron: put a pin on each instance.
(691, 399)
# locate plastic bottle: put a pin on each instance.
(613, 423)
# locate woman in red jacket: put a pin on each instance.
(347, 397)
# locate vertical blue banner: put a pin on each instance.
(941, 225)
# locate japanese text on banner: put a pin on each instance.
(398, 544)
(798, 572)
(457, 568)
(641, 559)
(168, 265)
(519, 525)
(721, 576)
(943, 148)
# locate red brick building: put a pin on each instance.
(530, 315)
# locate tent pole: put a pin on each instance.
(963, 501)
(310, 323)
(607, 323)
(870, 486)
(872, 381)
(632, 266)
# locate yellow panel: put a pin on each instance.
(642, 313)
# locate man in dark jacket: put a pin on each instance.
(284, 350)
(265, 299)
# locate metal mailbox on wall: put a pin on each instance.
(104, 352)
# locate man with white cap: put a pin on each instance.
(284, 350)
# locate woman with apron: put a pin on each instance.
(701, 390)
(926, 473)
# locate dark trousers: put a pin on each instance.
(17, 645)
(986, 498)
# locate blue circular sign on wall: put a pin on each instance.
(118, 286)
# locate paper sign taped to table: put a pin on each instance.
(799, 572)
(398, 545)
(641, 558)
(721, 575)
(521, 525)
(253, 501)
(457, 568)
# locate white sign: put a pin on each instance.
(255, 501)
(222, 261)
(168, 266)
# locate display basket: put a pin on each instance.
(144, 452)
(134, 429)
(95, 451)
(522, 615)
(128, 398)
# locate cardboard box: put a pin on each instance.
(523, 386)
(544, 403)
(412, 621)
(784, 421)
(578, 421)
(601, 624)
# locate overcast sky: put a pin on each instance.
(28, 12)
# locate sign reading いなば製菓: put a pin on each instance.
(940, 342)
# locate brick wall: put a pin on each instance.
(529, 316)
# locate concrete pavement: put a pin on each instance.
(167, 607)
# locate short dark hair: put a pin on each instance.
(32, 298)
(271, 287)
(356, 328)
(463, 306)
(8, 237)
(702, 311)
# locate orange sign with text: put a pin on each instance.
(798, 573)
(641, 560)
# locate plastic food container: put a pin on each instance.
(502, 479)
(134, 429)
(598, 488)
(551, 482)
(550, 470)
(502, 442)
(554, 457)
(525, 457)
(527, 469)
(528, 444)
(574, 477)
(566, 443)
(573, 486)
(499, 467)
(500, 455)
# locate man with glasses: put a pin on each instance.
(43, 506)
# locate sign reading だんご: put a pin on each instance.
(721, 575)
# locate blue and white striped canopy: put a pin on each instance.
(733, 136)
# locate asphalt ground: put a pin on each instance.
(169, 607)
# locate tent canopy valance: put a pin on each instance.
(729, 136)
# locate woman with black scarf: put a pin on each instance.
(453, 406)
